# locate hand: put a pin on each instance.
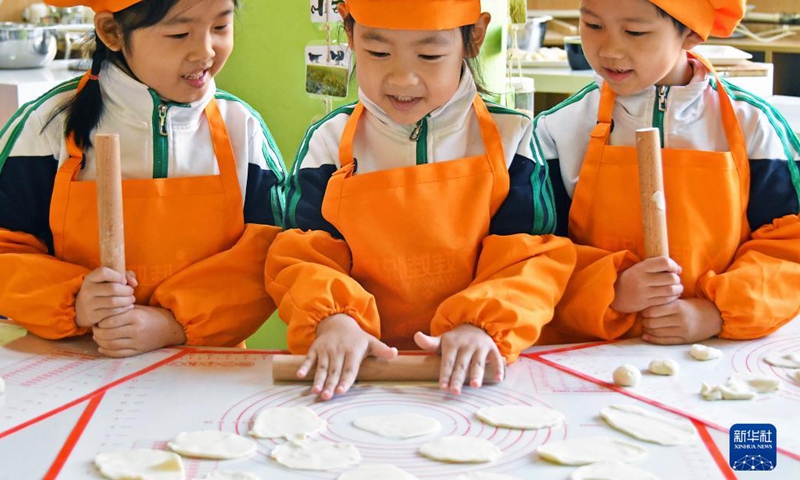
(465, 351)
(338, 351)
(683, 321)
(649, 283)
(104, 293)
(138, 330)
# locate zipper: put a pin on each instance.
(161, 135)
(659, 110)
(420, 135)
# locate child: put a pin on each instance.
(418, 209)
(201, 179)
(730, 175)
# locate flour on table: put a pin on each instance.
(382, 471)
(611, 471)
(212, 444)
(521, 417)
(664, 366)
(460, 450)
(485, 476)
(399, 426)
(222, 475)
(140, 463)
(780, 359)
(582, 451)
(649, 426)
(703, 353)
(626, 375)
(292, 423)
(316, 455)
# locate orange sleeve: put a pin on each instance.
(308, 276)
(518, 281)
(220, 301)
(584, 314)
(758, 293)
(36, 289)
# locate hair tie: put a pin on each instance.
(94, 77)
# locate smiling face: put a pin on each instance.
(180, 55)
(632, 46)
(408, 73)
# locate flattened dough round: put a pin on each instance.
(222, 475)
(316, 455)
(211, 444)
(582, 451)
(649, 426)
(485, 476)
(382, 471)
(701, 352)
(611, 471)
(286, 422)
(140, 463)
(456, 449)
(626, 375)
(521, 417)
(400, 425)
(781, 359)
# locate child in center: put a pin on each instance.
(730, 177)
(419, 217)
(201, 189)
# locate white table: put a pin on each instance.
(20, 86)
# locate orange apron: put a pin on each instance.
(170, 223)
(706, 197)
(415, 232)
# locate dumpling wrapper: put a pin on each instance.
(521, 417)
(382, 471)
(316, 455)
(582, 451)
(140, 463)
(212, 444)
(291, 423)
(611, 471)
(456, 449)
(649, 426)
(398, 426)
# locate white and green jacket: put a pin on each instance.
(447, 133)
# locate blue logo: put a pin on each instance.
(753, 447)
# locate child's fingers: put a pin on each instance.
(665, 291)
(309, 362)
(125, 352)
(499, 362)
(446, 367)
(349, 373)
(459, 372)
(130, 277)
(427, 342)
(378, 349)
(663, 340)
(321, 373)
(105, 274)
(332, 380)
(476, 368)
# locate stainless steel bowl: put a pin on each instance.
(23, 45)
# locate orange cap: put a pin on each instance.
(413, 14)
(706, 17)
(112, 6)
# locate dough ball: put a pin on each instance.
(664, 366)
(626, 375)
(703, 353)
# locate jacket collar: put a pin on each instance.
(134, 103)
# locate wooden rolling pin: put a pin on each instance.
(109, 201)
(651, 191)
(416, 368)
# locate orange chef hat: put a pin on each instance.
(112, 6)
(413, 14)
(706, 17)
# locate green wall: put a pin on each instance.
(267, 70)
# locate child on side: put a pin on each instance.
(419, 216)
(201, 189)
(730, 177)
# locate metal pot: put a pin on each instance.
(23, 45)
(530, 35)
